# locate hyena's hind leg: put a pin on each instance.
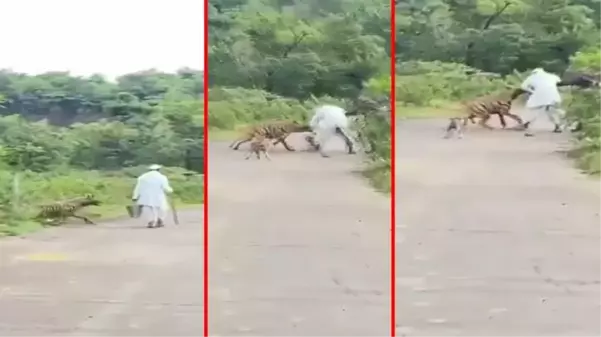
(233, 143)
(266, 154)
(461, 127)
(516, 118)
(283, 141)
(250, 152)
(451, 128)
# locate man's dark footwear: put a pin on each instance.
(557, 129)
(528, 134)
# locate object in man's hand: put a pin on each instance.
(134, 211)
(313, 145)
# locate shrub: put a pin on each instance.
(429, 83)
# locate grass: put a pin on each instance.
(23, 227)
(379, 177)
(412, 112)
(95, 213)
(222, 135)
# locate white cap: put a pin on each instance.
(154, 167)
(537, 70)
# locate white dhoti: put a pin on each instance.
(327, 122)
(153, 214)
(554, 113)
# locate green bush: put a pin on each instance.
(39, 147)
(374, 129)
(435, 83)
(584, 106)
(232, 107)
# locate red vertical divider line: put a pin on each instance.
(392, 170)
(205, 104)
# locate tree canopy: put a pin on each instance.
(497, 36)
(57, 119)
(298, 48)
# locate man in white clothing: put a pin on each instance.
(150, 195)
(544, 99)
(328, 121)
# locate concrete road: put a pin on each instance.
(299, 246)
(498, 235)
(114, 279)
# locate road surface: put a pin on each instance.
(299, 246)
(114, 279)
(498, 235)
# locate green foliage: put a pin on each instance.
(374, 130)
(585, 107)
(421, 83)
(231, 107)
(297, 49)
(588, 59)
(63, 99)
(55, 119)
(496, 35)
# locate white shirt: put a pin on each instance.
(329, 117)
(151, 188)
(543, 88)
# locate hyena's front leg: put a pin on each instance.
(484, 122)
(502, 121)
